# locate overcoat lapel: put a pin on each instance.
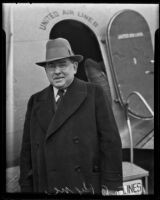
(45, 108)
(75, 95)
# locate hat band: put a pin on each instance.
(54, 53)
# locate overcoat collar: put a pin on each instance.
(75, 95)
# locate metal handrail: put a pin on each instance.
(130, 132)
(129, 122)
(142, 99)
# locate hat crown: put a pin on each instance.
(57, 49)
(59, 42)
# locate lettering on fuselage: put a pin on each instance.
(88, 18)
(130, 35)
(52, 15)
(47, 19)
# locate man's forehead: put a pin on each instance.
(61, 61)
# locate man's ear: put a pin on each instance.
(75, 66)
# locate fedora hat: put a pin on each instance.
(58, 49)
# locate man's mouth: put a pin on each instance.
(58, 78)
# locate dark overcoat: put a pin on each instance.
(76, 149)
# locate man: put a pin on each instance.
(70, 142)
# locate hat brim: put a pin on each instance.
(77, 58)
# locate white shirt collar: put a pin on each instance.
(56, 91)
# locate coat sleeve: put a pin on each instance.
(26, 179)
(110, 143)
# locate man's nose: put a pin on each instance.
(57, 70)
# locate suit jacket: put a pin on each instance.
(76, 149)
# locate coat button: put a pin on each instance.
(76, 140)
(78, 169)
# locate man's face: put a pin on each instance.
(61, 73)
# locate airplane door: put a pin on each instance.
(82, 39)
(131, 56)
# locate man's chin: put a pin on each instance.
(58, 85)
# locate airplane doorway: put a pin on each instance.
(82, 39)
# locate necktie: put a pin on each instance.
(60, 93)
